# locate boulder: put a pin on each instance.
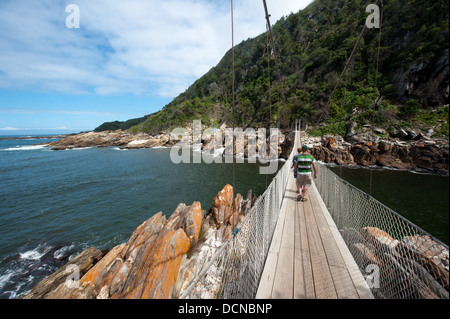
(364, 255)
(430, 254)
(224, 197)
(403, 283)
(80, 263)
(363, 155)
(387, 160)
(380, 239)
(187, 218)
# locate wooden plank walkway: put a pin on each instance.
(308, 259)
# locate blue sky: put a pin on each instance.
(127, 59)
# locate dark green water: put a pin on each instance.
(421, 198)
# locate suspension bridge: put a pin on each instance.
(307, 257)
(340, 244)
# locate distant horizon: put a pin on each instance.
(24, 133)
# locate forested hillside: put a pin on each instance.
(312, 48)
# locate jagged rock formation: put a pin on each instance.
(117, 138)
(414, 151)
(412, 267)
(219, 144)
(159, 259)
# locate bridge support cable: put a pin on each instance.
(269, 28)
(377, 95)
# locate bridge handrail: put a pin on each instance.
(235, 269)
(402, 259)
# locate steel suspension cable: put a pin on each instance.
(232, 103)
(376, 91)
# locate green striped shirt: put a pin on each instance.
(305, 161)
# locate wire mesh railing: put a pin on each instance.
(234, 271)
(398, 258)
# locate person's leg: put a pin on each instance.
(306, 184)
(304, 190)
(299, 188)
(300, 184)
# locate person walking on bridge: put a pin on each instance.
(304, 165)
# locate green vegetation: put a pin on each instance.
(312, 47)
(118, 125)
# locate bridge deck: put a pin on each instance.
(308, 259)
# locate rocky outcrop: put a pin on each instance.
(415, 151)
(111, 138)
(81, 264)
(425, 80)
(159, 259)
(412, 267)
(219, 144)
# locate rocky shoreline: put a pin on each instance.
(408, 150)
(127, 140)
(163, 256)
(158, 261)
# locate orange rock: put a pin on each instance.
(378, 237)
(224, 197)
(143, 232)
(192, 220)
(163, 273)
(147, 265)
(429, 253)
(188, 218)
(94, 276)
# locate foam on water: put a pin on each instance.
(35, 254)
(26, 147)
(18, 273)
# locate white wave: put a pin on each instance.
(62, 251)
(79, 148)
(35, 254)
(26, 147)
(120, 149)
(5, 278)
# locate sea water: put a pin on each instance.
(54, 204)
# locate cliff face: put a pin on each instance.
(159, 259)
(426, 80)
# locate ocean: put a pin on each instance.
(55, 204)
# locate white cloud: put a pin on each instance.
(134, 46)
(8, 128)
